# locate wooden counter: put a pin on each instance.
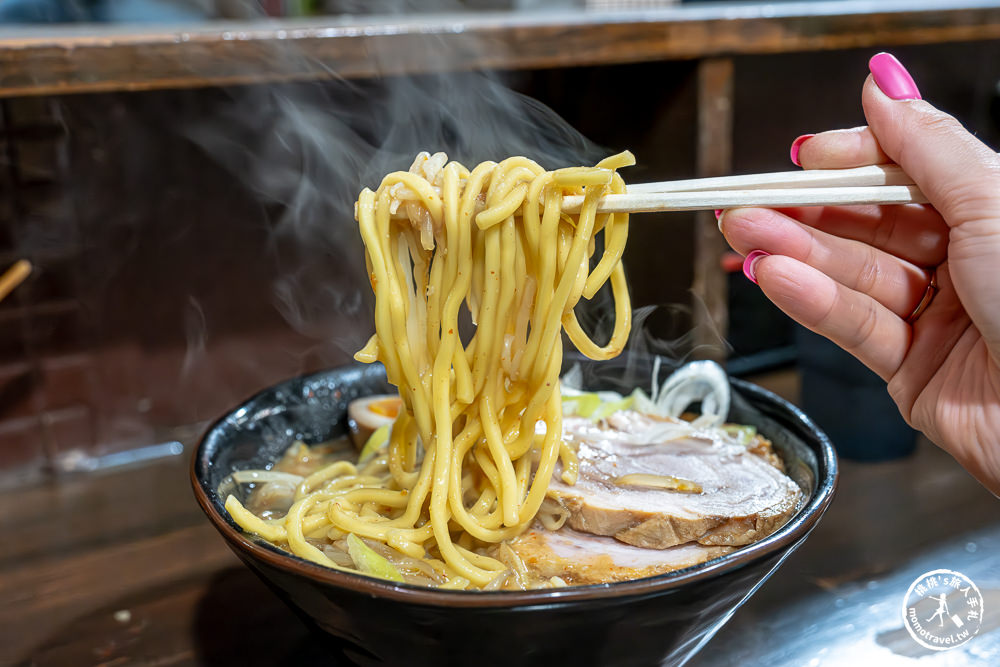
(58, 60)
(123, 569)
(166, 590)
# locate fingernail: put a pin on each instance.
(718, 216)
(794, 153)
(892, 77)
(750, 264)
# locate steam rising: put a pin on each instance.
(170, 275)
(634, 368)
(195, 332)
(306, 151)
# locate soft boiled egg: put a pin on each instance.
(365, 415)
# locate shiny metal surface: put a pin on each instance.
(838, 600)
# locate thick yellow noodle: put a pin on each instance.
(467, 465)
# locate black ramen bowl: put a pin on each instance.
(657, 620)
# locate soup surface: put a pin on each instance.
(652, 494)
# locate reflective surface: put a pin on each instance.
(839, 601)
(66, 592)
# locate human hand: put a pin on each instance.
(860, 275)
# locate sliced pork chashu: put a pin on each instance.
(580, 559)
(734, 495)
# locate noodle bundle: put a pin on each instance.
(470, 457)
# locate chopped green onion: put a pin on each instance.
(596, 406)
(744, 434)
(608, 408)
(375, 442)
(581, 404)
(369, 561)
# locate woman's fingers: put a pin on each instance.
(855, 321)
(839, 149)
(896, 284)
(914, 232)
(960, 176)
(958, 173)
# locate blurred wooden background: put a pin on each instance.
(191, 247)
(169, 286)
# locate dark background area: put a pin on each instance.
(170, 285)
(193, 246)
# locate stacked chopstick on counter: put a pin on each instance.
(13, 277)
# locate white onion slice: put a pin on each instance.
(703, 381)
(261, 476)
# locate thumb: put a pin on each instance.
(959, 175)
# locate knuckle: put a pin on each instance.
(901, 392)
(882, 235)
(961, 193)
(934, 120)
(927, 121)
(870, 273)
(971, 199)
(867, 327)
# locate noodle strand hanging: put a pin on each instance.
(470, 457)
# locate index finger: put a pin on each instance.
(841, 149)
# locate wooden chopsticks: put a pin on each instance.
(872, 175)
(13, 277)
(875, 184)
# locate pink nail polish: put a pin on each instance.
(750, 264)
(794, 153)
(718, 213)
(892, 77)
